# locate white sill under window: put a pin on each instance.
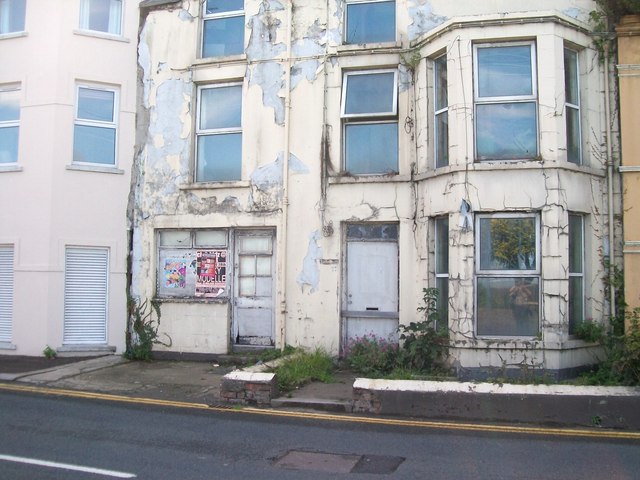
(12, 167)
(208, 185)
(84, 167)
(5, 36)
(103, 35)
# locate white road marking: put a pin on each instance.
(66, 466)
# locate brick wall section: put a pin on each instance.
(366, 401)
(248, 388)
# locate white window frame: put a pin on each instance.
(368, 118)
(206, 17)
(502, 99)
(115, 24)
(573, 106)
(439, 112)
(98, 123)
(11, 123)
(441, 272)
(215, 131)
(355, 2)
(6, 8)
(190, 247)
(505, 273)
(574, 322)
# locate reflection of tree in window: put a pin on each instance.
(514, 242)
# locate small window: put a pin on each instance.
(101, 16)
(442, 269)
(219, 133)
(95, 131)
(192, 263)
(572, 106)
(576, 271)
(370, 119)
(508, 275)
(505, 102)
(9, 123)
(12, 13)
(223, 28)
(441, 112)
(370, 21)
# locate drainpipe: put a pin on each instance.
(607, 110)
(282, 259)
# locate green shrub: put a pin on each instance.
(590, 331)
(424, 348)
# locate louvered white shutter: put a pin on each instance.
(6, 293)
(85, 296)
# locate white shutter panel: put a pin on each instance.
(85, 296)
(6, 293)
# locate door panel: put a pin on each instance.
(253, 299)
(371, 300)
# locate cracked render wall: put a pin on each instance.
(321, 197)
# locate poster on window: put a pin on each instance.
(175, 272)
(211, 280)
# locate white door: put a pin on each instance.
(6, 293)
(371, 299)
(253, 322)
(85, 296)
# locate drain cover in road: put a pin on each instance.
(338, 463)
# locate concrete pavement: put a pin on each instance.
(199, 382)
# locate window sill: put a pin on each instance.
(10, 168)
(219, 300)
(509, 165)
(350, 47)
(220, 59)
(215, 185)
(95, 169)
(102, 35)
(383, 178)
(6, 36)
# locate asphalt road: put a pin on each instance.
(96, 439)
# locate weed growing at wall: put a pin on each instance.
(142, 329)
(371, 355)
(305, 367)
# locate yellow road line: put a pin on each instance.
(477, 427)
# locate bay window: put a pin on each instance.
(505, 93)
(507, 275)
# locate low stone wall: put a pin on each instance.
(611, 407)
(248, 388)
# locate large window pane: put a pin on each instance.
(571, 77)
(94, 145)
(576, 271)
(442, 139)
(573, 135)
(441, 112)
(508, 306)
(219, 157)
(12, 13)
(576, 303)
(9, 144)
(221, 107)
(370, 93)
(575, 244)
(95, 104)
(504, 71)
(223, 36)
(442, 245)
(371, 148)
(506, 131)
(371, 22)
(221, 6)
(9, 105)
(507, 243)
(101, 15)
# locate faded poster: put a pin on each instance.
(211, 279)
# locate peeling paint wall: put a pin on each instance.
(292, 111)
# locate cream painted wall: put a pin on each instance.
(322, 198)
